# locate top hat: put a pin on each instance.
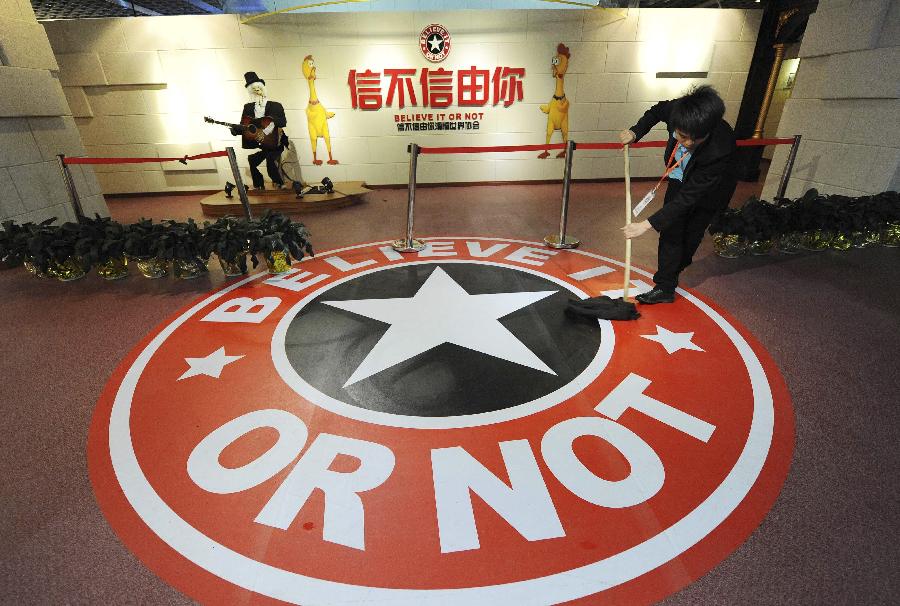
(251, 77)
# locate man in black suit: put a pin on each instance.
(259, 107)
(700, 166)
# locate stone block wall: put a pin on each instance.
(141, 86)
(845, 102)
(36, 124)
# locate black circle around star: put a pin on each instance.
(325, 345)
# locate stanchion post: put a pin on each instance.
(408, 244)
(239, 183)
(561, 240)
(627, 280)
(70, 186)
(786, 176)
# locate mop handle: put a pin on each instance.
(627, 222)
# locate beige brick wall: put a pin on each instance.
(36, 124)
(143, 85)
(845, 103)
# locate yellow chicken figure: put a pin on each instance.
(558, 109)
(316, 114)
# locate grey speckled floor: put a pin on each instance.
(831, 320)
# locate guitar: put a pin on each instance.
(250, 127)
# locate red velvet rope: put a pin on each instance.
(183, 159)
(756, 142)
(492, 148)
(521, 148)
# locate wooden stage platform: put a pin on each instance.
(284, 200)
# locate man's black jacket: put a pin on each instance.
(274, 110)
(709, 177)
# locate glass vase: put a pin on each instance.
(890, 234)
(152, 267)
(840, 241)
(33, 268)
(864, 238)
(68, 270)
(278, 262)
(816, 239)
(115, 268)
(789, 243)
(729, 246)
(188, 270)
(761, 247)
(232, 267)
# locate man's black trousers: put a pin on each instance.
(272, 158)
(679, 242)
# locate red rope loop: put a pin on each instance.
(489, 149)
(524, 148)
(183, 159)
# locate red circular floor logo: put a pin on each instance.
(434, 41)
(433, 429)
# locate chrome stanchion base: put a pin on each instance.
(405, 245)
(553, 241)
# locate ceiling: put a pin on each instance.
(82, 9)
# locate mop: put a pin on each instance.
(604, 307)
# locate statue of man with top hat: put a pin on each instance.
(261, 107)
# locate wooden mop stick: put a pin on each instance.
(627, 222)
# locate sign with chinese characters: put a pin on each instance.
(437, 89)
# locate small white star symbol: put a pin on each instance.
(435, 43)
(673, 341)
(211, 365)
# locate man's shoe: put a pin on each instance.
(656, 295)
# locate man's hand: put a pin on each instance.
(260, 136)
(633, 230)
(626, 137)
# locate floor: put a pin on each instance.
(829, 320)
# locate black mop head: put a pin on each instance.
(603, 308)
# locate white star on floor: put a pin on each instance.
(435, 43)
(211, 365)
(443, 312)
(673, 341)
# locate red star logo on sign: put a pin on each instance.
(434, 41)
(382, 428)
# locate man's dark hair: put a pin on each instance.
(697, 113)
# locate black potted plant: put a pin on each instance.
(141, 246)
(102, 244)
(228, 239)
(52, 250)
(886, 213)
(787, 226)
(279, 239)
(272, 248)
(179, 242)
(759, 227)
(866, 223)
(818, 218)
(726, 229)
(35, 237)
(13, 244)
(840, 220)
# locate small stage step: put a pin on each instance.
(284, 200)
